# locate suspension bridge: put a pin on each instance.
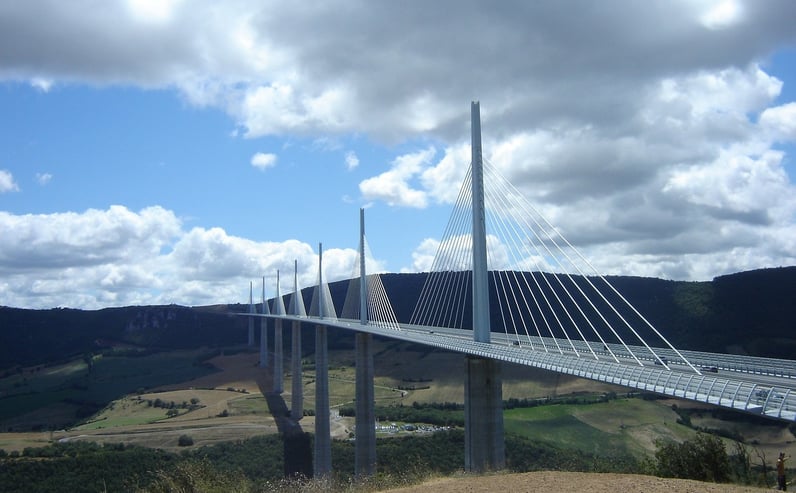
(506, 287)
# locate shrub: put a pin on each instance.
(702, 458)
(185, 441)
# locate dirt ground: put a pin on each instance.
(552, 482)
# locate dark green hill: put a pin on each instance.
(750, 312)
(31, 337)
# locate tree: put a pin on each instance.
(185, 441)
(703, 458)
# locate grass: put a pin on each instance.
(138, 414)
(623, 425)
(251, 404)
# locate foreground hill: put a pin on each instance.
(553, 482)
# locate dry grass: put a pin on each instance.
(554, 482)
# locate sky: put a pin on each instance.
(173, 151)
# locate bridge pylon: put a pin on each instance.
(297, 391)
(322, 453)
(250, 341)
(264, 332)
(365, 438)
(279, 373)
(484, 445)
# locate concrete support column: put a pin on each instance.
(297, 390)
(484, 446)
(365, 441)
(263, 342)
(279, 373)
(322, 457)
(250, 339)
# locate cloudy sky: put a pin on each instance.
(168, 151)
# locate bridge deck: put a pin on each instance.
(755, 385)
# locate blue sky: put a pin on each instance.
(172, 151)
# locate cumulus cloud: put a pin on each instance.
(42, 84)
(7, 183)
(394, 187)
(98, 258)
(351, 160)
(43, 178)
(653, 138)
(780, 121)
(263, 161)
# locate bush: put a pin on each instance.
(703, 458)
(185, 441)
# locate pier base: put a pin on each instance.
(365, 441)
(484, 446)
(322, 456)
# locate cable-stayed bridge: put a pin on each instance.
(506, 286)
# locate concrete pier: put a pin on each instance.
(296, 387)
(279, 373)
(250, 340)
(322, 456)
(263, 343)
(484, 446)
(365, 441)
(264, 331)
(365, 437)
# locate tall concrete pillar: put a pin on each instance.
(263, 343)
(322, 457)
(365, 438)
(365, 441)
(250, 341)
(483, 416)
(296, 388)
(296, 308)
(279, 373)
(264, 332)
(484, 447)
(279, 309)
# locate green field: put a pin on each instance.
(605, 428)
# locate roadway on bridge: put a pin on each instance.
(761, 386)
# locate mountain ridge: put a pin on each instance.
(750, 312)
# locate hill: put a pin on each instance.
(554, 481)
(748, 313)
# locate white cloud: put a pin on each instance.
(780, 121)
(351, 160)
(263, 161)
(44, 178)
(423, 256)
(393, 186)
(42, 84)
(154, 11)
(722, 14)
(7, 183)
(119, 257)
(658, 141)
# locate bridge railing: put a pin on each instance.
(768, 400)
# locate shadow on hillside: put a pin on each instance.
(297, 448)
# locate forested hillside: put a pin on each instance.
(751, 312)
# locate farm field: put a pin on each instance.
(224, 400)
